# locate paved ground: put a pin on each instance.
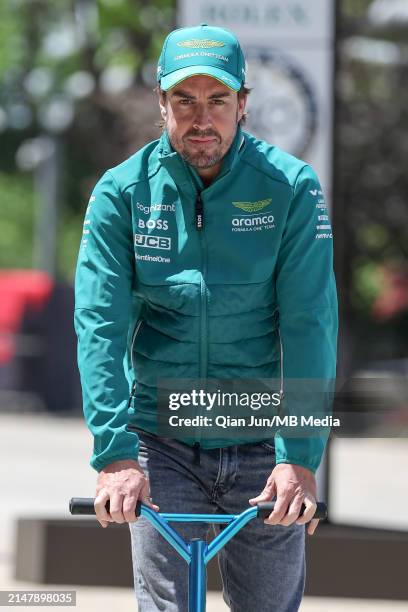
(44, 462)
(91, 599)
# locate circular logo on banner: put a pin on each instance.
(282, 106)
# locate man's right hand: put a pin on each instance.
(122, 483)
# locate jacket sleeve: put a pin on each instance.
(102, 320)
(308, 320)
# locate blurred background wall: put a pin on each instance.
(76, 80)
(76, 97)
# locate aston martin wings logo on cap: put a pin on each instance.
(199, 43)
(253, 206)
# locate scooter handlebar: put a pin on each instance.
(265, 508)
(85, 506)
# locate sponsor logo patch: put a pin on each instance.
(160, 224)
(153, 258)
(198, 43)
(203, 54)
(153, 242)
(250, 223)
(318, 236)
(252, 207)
(318, 193)
(149, 208)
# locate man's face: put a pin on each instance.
(201, 117)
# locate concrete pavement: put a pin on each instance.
(90, 599)
(44, 460)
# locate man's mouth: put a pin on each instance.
(205, 139)
(202, 141)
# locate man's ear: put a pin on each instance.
(242, 100)
(162, 104)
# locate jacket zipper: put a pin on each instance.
(199, 216)
(199, 219)
(199, 213)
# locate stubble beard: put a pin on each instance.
(200, 158)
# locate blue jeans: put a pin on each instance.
(262, 567)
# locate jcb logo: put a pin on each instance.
(154, 224)
(153, 242)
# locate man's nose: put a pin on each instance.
(202, 117)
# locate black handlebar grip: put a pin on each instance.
(265, 508)
(85, 506)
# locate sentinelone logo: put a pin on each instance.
(153, 258)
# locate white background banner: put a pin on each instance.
(289, 48)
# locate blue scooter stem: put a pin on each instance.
(197, 553)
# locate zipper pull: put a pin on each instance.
(132, 394)
(199, 213)
(130, 406)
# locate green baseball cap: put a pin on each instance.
(204, 49)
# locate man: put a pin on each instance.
(204, 257)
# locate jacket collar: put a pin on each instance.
(180, 170)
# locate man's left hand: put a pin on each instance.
(293, 485)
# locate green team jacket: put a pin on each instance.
(174, 280)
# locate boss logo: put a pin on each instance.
(154, 224)
(153, 242)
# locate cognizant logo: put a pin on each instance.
(249, 223)
(149, 208)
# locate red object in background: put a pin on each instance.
(393, 298)
(19, 290)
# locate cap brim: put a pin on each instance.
(172, 79)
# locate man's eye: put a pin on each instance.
(219, 101)
(185, 101)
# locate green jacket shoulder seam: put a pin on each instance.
(145, 179)
(273, 178)
(297, 177)
(117, 186)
